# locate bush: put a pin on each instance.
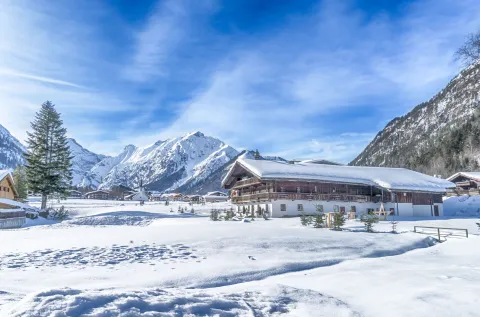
(368, 221)
(192, 211)
(338, 220)
(54, 214)
(265, 214)
(215, 215)
(319, 220)
(305, 220)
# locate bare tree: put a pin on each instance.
(469, 52)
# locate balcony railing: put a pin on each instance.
(261, 197)
(459, 192)
(247, 182)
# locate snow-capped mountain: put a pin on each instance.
(437, 137)
(11, 150)
(163, 166)
(82, 160)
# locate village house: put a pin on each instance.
(216, 196)
(284, 189)
(74, 194)
(12, 215)
(98, 194)
(466, 183)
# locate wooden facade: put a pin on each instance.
(7, 187)
(466, 184)
(253, 190)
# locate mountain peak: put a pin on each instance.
(197, 134)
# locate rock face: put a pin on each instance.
(163, 166)
(82, 161)
(11, 150)
(438, 136)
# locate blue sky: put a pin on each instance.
(300, 79)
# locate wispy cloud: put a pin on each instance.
(316, 83)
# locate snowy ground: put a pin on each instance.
(122, 259)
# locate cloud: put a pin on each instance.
(316, 83)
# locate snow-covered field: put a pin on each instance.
(122, 259)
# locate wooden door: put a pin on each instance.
(435, 211)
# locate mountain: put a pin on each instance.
(439, 136)
(11, 150)
(163, 166)
(82, 160)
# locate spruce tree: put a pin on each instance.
(49, 159)
(20, 180)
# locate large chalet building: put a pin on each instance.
(283, 189)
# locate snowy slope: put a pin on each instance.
(82, 160)
(11, 150)
(165, 165)
(412, 140)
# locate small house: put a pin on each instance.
(74, 194)
(213, 197)
(466, 183)
(12, 215)
(98, 194)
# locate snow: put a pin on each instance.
(462, 206)
(117, 258)
(14, 203)
(4, 173)
(388, 178)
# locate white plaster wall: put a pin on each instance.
(404, 209)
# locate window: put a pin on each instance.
(315, 189)
(282, 189)
(336, 208)
(300, 207)
(342, 209)
(283, 207)
(319, 208)
(298, 189)
(353, 209)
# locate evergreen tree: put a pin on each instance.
(49, 160)
(369, 220)
(20, 180)
(338, 220)
(319, 218)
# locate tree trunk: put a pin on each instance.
(44, 201)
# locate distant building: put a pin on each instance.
(216, 196)
(7, 186)
(12, 213)
(74, 194)
(284, 189)
(467, 183)
(98, 194)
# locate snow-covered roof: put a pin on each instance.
(4, 173)
(383, 177)
(14, 203)
(97, 191)
(473, 175)
(216, 193)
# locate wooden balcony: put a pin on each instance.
(247, 182)
(460, 192)
(263, 197)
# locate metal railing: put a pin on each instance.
(438, 231)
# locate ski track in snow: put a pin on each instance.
(158, 302)
(97, 256)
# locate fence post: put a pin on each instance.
(466, 231)
(438, 234)
(415, 229)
